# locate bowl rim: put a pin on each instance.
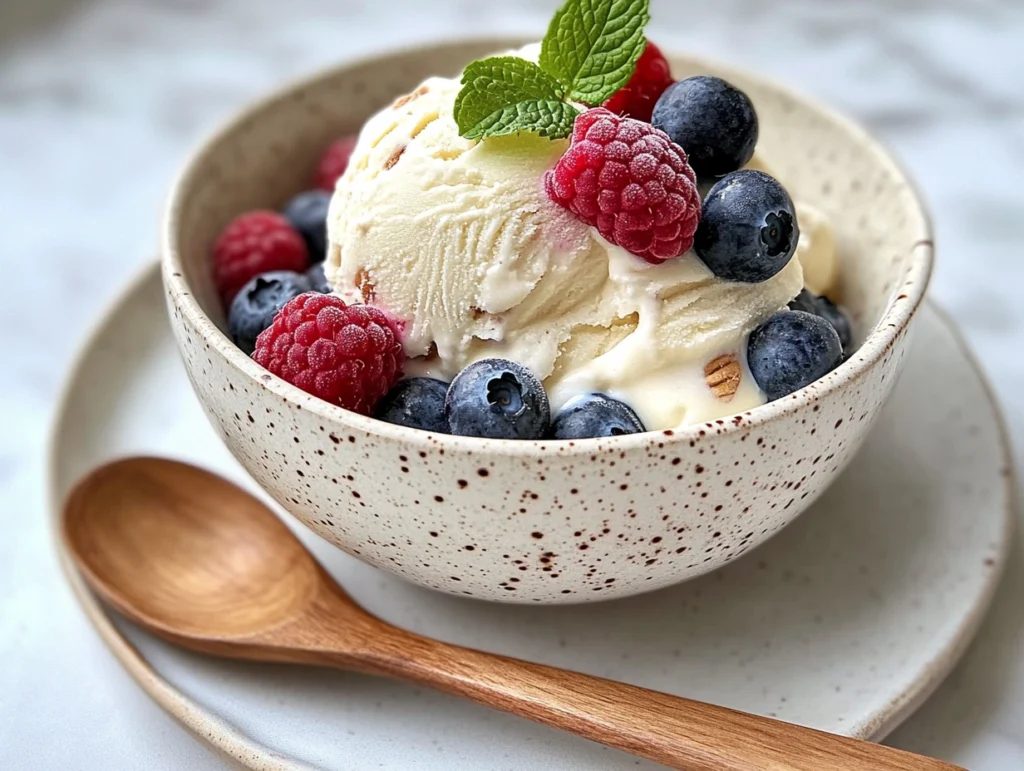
(907, 296)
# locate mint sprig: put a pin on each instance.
(506, 95)
(590, 52)
(592, 46)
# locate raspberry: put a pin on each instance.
(637, 98)
(349, 355)
(252, 244)
(333, 163)
(629, 181)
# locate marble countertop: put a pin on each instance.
(100, 100)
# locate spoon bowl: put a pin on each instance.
(202, 563)
(228, 575)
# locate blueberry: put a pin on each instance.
(713, 121)
(840, 322)
(415, 403)
(255, 306)
(595, 415)
(792, 350)
(821, 306)
(499, 399)
(748, 229)
(317, 280)
(806, 301)
(307, 212)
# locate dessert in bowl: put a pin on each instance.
(706, 467)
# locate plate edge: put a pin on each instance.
(207, 727)
(903, 706)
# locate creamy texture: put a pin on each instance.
(459, 239)
(817, 251)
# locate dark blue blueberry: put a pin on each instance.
(713, 121)
(821, 306)
(255, 306)
(748, 229)
(415, 403)
(595, 415)
(307, 212)
(840, 322)
(806, 301)
(317, 279)
(792, 350)
(499, 399)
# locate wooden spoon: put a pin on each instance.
(203, 564)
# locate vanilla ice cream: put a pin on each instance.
(459, 239)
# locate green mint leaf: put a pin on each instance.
(548, 118)
(592, 46)
(506, 95)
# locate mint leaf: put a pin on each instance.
(506, 95)
(548, 118)
(592, 46)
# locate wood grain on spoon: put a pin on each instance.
(205, 565)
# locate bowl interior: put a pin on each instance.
(267, 155)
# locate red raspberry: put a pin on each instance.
(333, 163)
(629, 181)
(349, 355)
(637, 98)
(253, 244)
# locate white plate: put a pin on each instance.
(846, 621)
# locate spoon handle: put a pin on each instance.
(667, 729)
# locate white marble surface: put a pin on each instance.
(100, 99)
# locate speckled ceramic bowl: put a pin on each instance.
(545, 522)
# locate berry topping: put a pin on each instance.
(254, 308)
(792, 350)
(499, 399)
(821, 306)
(839, 319)
(308, 214)
(840, 322)
(712, 120)
(630, 182)
(595, 415)
(333, 163)
(416, 403)
(806, 301)
(252, 244)
(349, 355)
(318, 279)
(637, 98)
(748, 229)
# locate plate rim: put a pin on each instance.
(228, 740)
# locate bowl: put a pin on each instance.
(543, 522)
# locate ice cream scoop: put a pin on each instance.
(458, 238)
